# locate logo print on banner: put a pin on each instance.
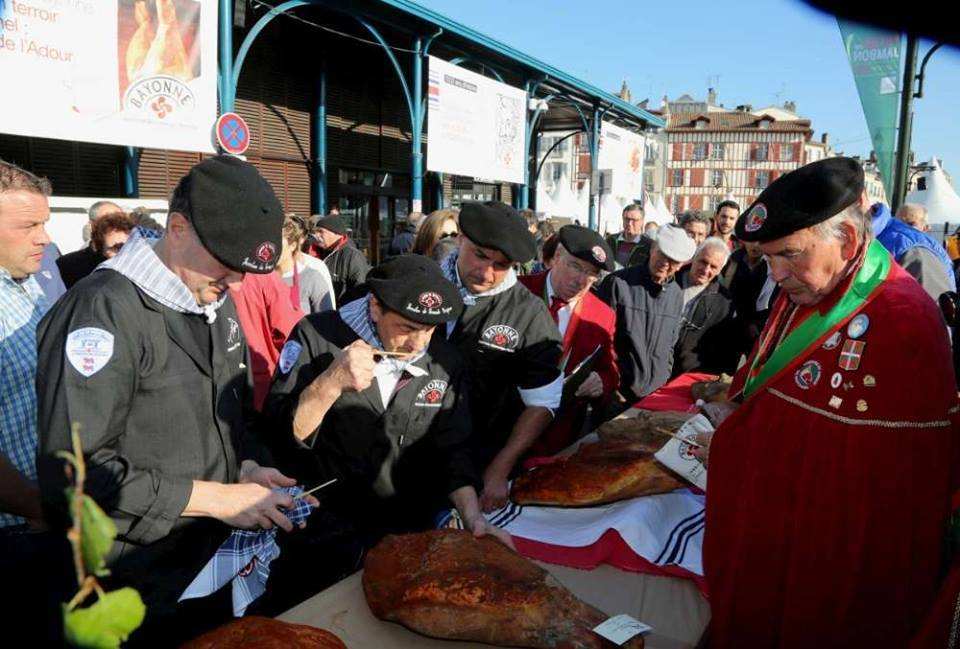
(502, 337)
(159, 97)
(431, 395)
(756, 217)
(850, 354)
(89, 349)
(686, 449)
(808, 375)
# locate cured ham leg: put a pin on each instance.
(167, 54)
(264, 633)
(448, 584)
(139, 43)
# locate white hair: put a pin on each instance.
(713, 243)
(833, 227)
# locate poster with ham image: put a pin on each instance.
(147, 78)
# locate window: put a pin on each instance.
(762, 151)
(786, 152)
(700, 151)
(763, 179)
(675, 204)
(556, 172)
(676, 178)
(717, 153)
(716, 178)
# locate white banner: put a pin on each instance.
(127, 72)
(622, 152)
(476, 126)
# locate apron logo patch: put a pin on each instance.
(808, 375)
(500, 337)
(431, 395)
(89, 349)
(289, 355)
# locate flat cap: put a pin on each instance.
(586, 244)
(497, 225)
(414, 287)
(235, 213)
(802, 198)
(333, 222)
(674, 242)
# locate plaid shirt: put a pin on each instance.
(22, 304)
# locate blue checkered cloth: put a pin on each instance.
(244, 559)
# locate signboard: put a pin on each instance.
(233, 134)
(476, 126)
(110, 71)
(622, 152)
(874, 56)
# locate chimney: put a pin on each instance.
(624, 91)
(711, 97)
(745, 108)
(790, 106)
(824, 139)
(665, 106)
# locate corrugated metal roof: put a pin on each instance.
(453, 27)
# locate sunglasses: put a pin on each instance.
(449, 235)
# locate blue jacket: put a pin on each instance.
(898, 237)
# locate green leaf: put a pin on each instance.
(97, 534)
(107, 623)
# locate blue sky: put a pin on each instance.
(758, 52)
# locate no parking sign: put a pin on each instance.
(233, 134)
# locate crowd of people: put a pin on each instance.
(212, 364)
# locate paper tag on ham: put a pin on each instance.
(677, 456)
(621, 628)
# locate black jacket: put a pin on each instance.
(76, 265)
(348, 268)
(159, 398)
(648, 322)
(702, 344)
(409, 455)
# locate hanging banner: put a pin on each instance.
(874, 56)
(622, 151)
(128, 72)
(475, 126)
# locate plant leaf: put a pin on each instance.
(97, 534)
(106, 623)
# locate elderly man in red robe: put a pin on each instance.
(830, 482)
(586, 326)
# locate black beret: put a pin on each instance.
(235, 213)
(497, 225)
(333, 222)
(583, 243)
(802, 198)
(414, 287)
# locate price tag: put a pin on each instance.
(620, 628)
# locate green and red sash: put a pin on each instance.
(817, 327)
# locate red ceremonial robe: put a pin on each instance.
(829, 487)
(592, 324)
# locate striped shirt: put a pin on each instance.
(22, 304)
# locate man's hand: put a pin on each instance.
(702, 452)
(271, 478)
(495, 490)
(481, 527)
(591, 388)
(718, 411)
(353, 370)
(251, 506)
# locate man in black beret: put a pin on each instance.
(146, 359)
(586, 326)
(838, 450)
(511, 343)
(383, 404)
(331, 242)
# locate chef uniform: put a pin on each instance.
(511, 343)
(587, 328)
(830, 484)
(157, 386)
(397, 448)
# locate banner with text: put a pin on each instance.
(476, 126)
(874, 56)
(127, 72)
(622, 151)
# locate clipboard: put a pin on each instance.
(575, 379)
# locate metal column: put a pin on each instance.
(906, 124)
(594, 154)
(416, 114)
(318, 136)
(438, 192)
(226, 82)
(131, 179)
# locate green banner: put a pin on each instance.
(874, 56)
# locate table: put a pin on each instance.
(674, 607)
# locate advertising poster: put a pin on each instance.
(476, 126)
(622, 151)
(127, 72)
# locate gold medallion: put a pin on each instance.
(861, 405)
(869, 380)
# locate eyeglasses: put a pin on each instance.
(449, 235)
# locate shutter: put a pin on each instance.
(751, 179)
(73, 168)
(697, 176)
(775, 151)
(797, 147)
(677, 151)
(160, 171)
(688, 151)
(696, 202)
(753, 151)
